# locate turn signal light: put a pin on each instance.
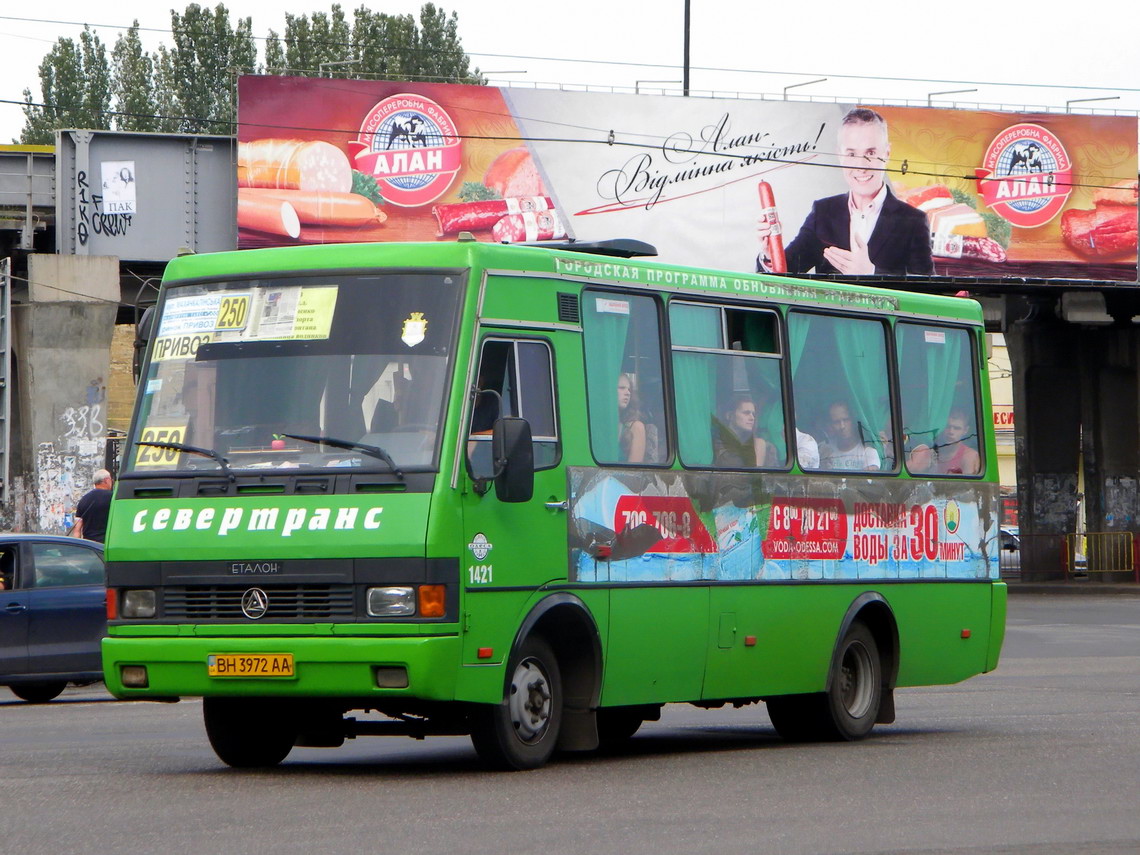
(112, 604)
(432, 600)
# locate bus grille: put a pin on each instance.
(286, 602)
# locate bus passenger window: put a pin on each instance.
(726, 369)
(939, 405)
(842, 392)
(515, 378)
(626, 397)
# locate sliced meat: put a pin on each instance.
(1104, 232)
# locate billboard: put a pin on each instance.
(744, 185)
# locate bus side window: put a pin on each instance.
(841, 385)
(624, 389)
(730, 402)
(515, 378)
(937, 371)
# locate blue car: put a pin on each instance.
(53, 613)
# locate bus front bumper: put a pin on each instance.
(323, 667)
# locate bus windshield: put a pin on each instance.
(257, 374)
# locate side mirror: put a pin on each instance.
(514, 459)
(142, 339)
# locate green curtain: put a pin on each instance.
(933, 371)
(604, 337)
(862, 353)
(694, 375)
(799, 327)
(764, 381)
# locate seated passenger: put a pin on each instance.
(631, 429)
(951, 455)
(807, 450)
(843, 449)
(735, 443)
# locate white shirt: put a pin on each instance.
(863, 221)
(857, 457)
(807, 449)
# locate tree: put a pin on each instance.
(133, 84)
(75, 80)
(200, 71)
(393, 47)
(190, 86)
(438, 53)
(325, 38)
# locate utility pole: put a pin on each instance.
(685, 91)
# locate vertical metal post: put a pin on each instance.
(686, 74)
(5, 376)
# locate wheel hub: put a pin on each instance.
(530, 701)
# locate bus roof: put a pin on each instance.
(631, 272)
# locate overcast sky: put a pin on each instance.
(1019, 55)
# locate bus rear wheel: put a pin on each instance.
(522, 733)
(248, 733)
(849, 707)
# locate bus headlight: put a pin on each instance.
(138, 604)
(391, 602)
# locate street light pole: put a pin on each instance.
(685, 90)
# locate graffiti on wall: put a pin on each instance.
(93, 219)
(64, 466)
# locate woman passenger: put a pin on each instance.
(631, 430)
(735, 443)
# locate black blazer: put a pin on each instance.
(900, 243)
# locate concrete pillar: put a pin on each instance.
(1111, 419)
(1044, 356)
(61, 353)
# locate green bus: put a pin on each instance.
(534, 493)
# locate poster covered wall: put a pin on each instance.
(743, 185)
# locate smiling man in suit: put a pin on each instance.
(867, 230)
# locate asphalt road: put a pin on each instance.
(1041, 757)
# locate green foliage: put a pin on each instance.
(133, 83)
(393, 47)
(75, 81)
(366, 186)
(190, 85)
(476, 191)
(997, 227)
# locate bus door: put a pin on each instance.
(510, 548)
(634, 521)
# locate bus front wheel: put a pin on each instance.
(247, 733)
(849, 707)
(521, 734)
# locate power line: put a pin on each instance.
(630, 64)
(608, 138)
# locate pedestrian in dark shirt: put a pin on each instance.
(91, 512)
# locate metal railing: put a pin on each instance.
(1101, 552)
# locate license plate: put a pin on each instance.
(250, 665)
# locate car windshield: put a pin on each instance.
(251, 374)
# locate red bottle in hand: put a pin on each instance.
(777, 260)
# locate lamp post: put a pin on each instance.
(685, 82)
(1082, 100)
(322, 65)
(946, 92)
(805, 83)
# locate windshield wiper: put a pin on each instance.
(370, 450)
(193, 449)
